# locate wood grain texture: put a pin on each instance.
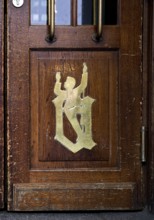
(104, 110)
(1, 104)
(29, 197)
(25, 165)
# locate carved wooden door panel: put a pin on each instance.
(74, 107)
(1, 105)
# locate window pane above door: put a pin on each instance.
(111, 12)
(62, 12)
(39, 12)
(87, 12)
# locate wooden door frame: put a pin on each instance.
(1, 104)
(148, 68)
(150, 71)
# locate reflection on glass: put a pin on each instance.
(39, 12)
(63, 12)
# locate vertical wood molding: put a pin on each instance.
(150, 70)
(1, 103)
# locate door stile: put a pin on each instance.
(1, 104)
(150, 70)
(13, 119)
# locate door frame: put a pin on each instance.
(150, 70)
(148, 67)
(1, 104)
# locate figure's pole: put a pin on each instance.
(82, 100)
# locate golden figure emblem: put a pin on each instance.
(73, 103)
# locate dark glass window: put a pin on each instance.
(85, 12)
(88, 10)
(111, 12)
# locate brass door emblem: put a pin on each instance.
(73, 102)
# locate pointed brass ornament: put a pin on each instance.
(73, 102)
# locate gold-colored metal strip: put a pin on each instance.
(51, 21)
(49, 7)
(143, 144)
(94, 12)
(98, 36)
(100, 16)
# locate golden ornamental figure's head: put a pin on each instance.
(69, 83)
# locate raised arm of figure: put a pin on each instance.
(57, 88)
(84, 79)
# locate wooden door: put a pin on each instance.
(1, 104)
(74, 109)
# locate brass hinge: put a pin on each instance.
(143, 144)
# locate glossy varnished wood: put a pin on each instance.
(43, 69)
(31, 165)
(74, 196)
(1, 104)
